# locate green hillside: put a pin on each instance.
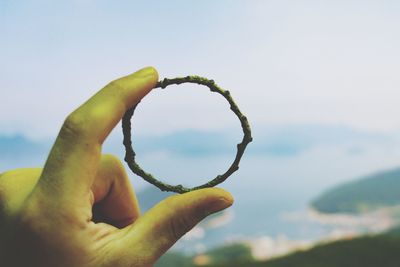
(365, 194)
(373, 251)
(378, 251)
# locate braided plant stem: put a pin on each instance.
(130, 154)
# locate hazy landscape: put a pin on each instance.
(284, 201)
(318, 81)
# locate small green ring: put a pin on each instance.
(130, 153)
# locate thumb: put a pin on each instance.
(158, 229)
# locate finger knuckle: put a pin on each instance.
(171, 201)
(113, 161)
(75, 125)
(115, 165)
(115, 84)
(117, 92)
(179, 226)
(116, 89)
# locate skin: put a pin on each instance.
(80, 208)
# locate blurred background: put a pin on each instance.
(318, 80)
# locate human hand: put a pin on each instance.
(80, 209)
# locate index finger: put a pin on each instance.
(72, 163)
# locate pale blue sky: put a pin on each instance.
(286, 62)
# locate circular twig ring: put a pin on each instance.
(130, 154)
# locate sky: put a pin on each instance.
(285, 62)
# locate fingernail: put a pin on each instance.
(146, 72)
(218, 205)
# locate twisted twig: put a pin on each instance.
(130, 154)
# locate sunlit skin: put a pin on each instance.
(80, 208)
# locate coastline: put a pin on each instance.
(341, 226)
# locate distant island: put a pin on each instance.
(363, 195)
